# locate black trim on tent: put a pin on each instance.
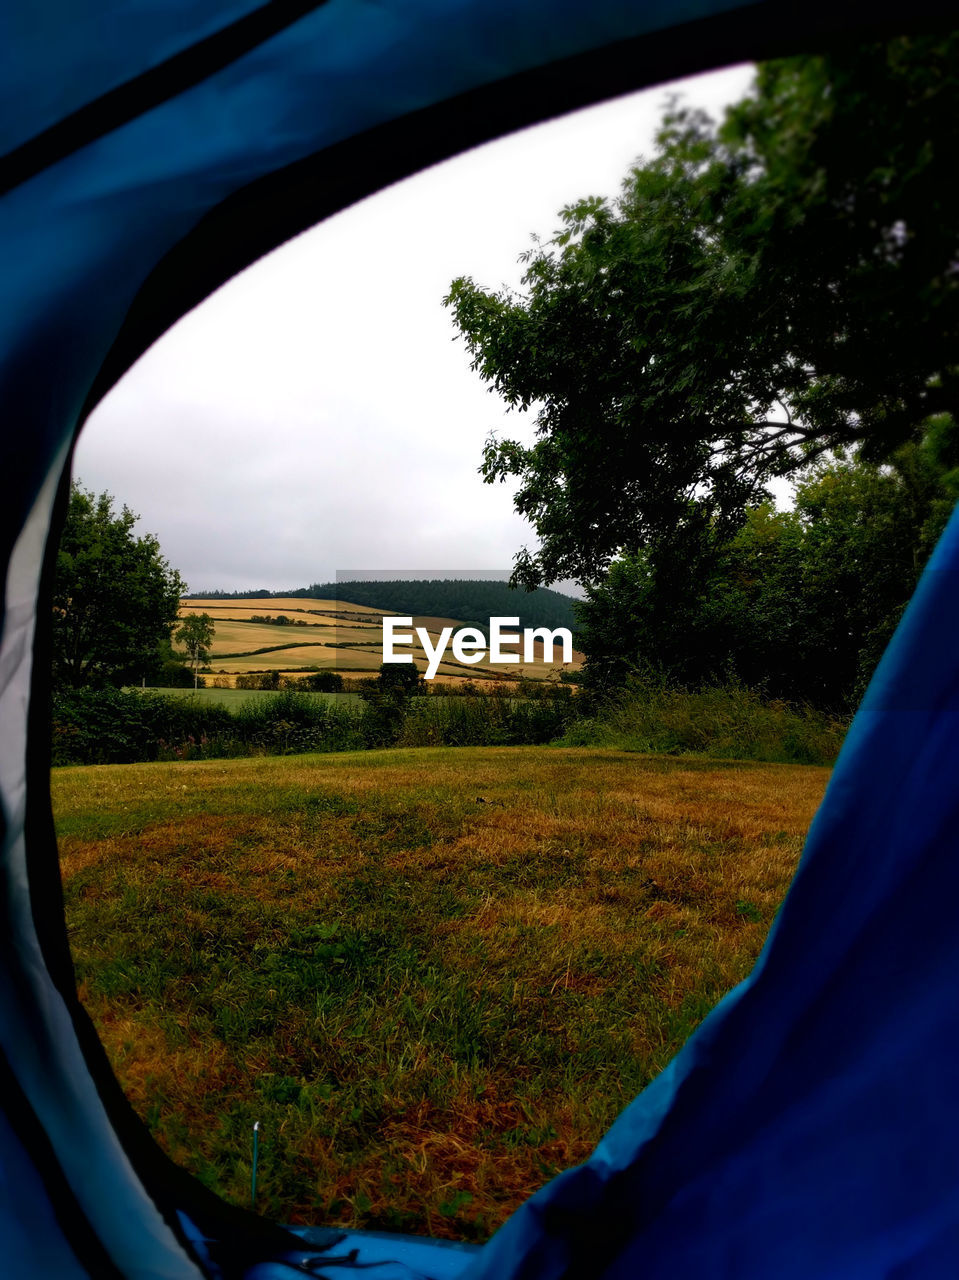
(167, 80)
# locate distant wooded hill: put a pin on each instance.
(467, 600)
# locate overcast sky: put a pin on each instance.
(315, 415)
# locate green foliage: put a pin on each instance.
(725, 722)
(115, 726)
(115, 598)
(799, 604)
(171, 674)
(323, 682)
(107, 726)
(292, 722)
(387, 701)
(168, 671)
(195, 633)
(401, 678)
(281, 620)
(259, 680)
(764, 291)
(489, 719)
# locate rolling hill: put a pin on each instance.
(298, 634)
(470, 601)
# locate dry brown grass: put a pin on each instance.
(434, 976)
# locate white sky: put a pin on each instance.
(315, 414)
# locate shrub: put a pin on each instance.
(323, 682)
(269, 680)
(400, 677)
(728, 721)
(113, 726)
(487, 719)
(172, 674)
(292, 721)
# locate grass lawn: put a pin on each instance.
(434, 976)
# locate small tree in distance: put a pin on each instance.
(196, 636)
(401, 678)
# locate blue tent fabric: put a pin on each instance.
(809, 1128)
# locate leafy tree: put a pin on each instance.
(323, 682)
(763, 292)
(868, 532)
(387, 701)
(115, 597)
(798, 603)
(400, 678)
(169, 671)
(196, 635)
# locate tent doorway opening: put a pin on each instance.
(418, 972)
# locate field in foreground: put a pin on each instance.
(433, 976)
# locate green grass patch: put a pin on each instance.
(434, 977)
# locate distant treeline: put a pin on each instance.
(261, 593)
(467, 600)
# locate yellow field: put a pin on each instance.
(234, 636)
(326, 641)
(296, 605)
(327, 658)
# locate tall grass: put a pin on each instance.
(730, 722)
(291, 722)
(487, 720)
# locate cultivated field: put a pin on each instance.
(433, 976)
(300, 656)
(294, 606)
(332, 635)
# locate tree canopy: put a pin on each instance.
(115, 598)
(798, 603)
(765, 290)
(195, 633)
